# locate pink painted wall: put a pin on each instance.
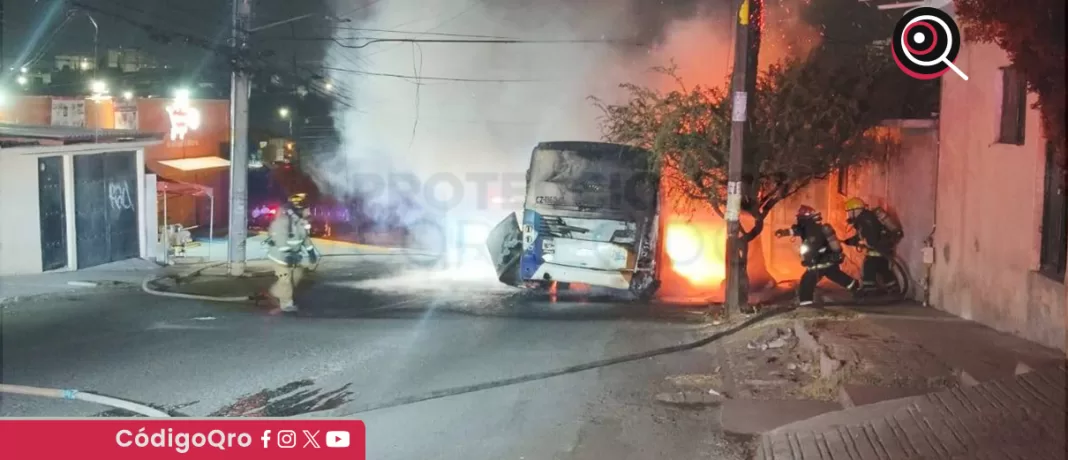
(989, 210)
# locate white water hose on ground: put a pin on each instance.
(178, 295)
(87, 397)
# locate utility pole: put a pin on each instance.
(3, 69)
(239, 94)
(743, 83)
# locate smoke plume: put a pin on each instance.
(457, 116)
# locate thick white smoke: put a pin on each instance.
(473, 139)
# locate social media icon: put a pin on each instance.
(311, 439)
(337, 439)
(287, 439)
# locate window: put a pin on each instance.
(1054, 219)
(843, 180)
(1013, 107)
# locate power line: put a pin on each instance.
(453, 79)
(373, 40)
(410, 32)
(235, 58)
(441, 24)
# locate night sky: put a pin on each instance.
(29, 23)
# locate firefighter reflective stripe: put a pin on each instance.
(275, 259)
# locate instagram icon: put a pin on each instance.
(287, 439)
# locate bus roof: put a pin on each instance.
(588, 146)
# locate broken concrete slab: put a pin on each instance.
(752, 416)
(805, 339)
(691, 398)
(860, 395)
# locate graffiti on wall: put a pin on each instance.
(119, 195)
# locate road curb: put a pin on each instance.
(101, 287)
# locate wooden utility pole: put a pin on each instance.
(743, 84)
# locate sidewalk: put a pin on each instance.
(1021, 418)
(795, 379)
(128, 272)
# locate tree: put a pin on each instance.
(808, 119)
(1033, 34)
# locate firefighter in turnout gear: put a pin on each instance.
(288, 241)
(876, 232)
(821, 254)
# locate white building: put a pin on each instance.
(73, 198)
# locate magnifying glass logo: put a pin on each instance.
(926, 41)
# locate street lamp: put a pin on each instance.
(128, 95)
(284, 113)
(22, 80)
(182, 94)
(98, 87)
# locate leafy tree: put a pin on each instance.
(1033, 34)
(807, 119)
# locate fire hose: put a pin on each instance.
(459, 390)
(75, 395)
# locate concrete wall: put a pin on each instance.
(20, 226)
(904, 185)
(989, 210)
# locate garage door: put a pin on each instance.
(105, 204)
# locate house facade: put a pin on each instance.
(1001, 213)
(982, 200)
(72, 198)
(195, 147)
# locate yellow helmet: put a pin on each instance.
(854, 204)
(298, 201)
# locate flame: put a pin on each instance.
(695, 250)
(694, 243)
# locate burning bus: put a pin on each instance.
(590, 216)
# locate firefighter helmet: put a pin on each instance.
(807, 211)
(854, 204)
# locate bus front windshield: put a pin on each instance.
(589, 177)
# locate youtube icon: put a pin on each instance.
(337, 439)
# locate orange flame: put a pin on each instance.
(694, 253)
(694, 244)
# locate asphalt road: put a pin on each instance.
(366, 338)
